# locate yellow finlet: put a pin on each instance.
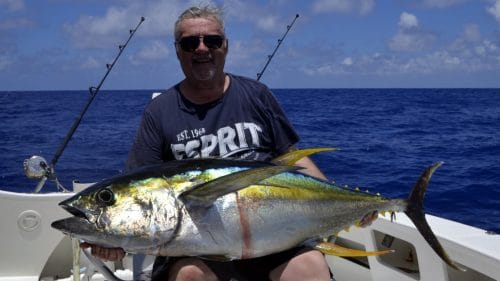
(292, 157)
(339, 251)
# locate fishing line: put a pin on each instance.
(270, 57)
(36, 167)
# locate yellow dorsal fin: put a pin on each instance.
(292, 157)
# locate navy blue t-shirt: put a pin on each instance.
(246, 122)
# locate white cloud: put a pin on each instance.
(407, 20)
(326, 69)
(12, 5)
(238, 10)
(362, 7)
(469, 54)
(411, 41)
(268, 23)
(156, 50)
(263, 17)
(442, 3)
(410, 37)
(347, 61)
(471, 33)
(495, 10)
(247, 56)
(403, 42)
(486, 48)
(366, 6)
(113, 26)
(470, 41)
(386, 65)
(91, 63)
(323, 6)
(15, 24)
(91, 31)
(473, 58)
(5, 61)
(475, 52)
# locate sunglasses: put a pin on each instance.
(191, 43)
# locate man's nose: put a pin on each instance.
(201, 46)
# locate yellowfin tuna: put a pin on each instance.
(231, 209)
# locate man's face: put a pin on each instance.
(202, 63)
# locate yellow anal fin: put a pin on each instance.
(336, 250)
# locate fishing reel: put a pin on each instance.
(37, 168)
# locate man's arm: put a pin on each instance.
(310, 168)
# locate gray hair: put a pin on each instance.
(206, 11)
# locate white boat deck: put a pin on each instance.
(32, 250)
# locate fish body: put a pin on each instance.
(223, 209)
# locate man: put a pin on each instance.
(212, 113)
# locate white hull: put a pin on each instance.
(472, 248)
(31, 250)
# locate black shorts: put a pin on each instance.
(241, 270)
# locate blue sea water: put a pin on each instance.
(385, 137)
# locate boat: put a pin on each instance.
(32, 250)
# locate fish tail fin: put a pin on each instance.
(415, 212)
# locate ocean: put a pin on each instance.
(385, 139)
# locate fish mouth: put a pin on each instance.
(68, 225)
(79, 225)
(73, 210)
(78, 228)
(74, 224)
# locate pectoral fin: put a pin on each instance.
(336, 250)
(292, 157)
(205, 194)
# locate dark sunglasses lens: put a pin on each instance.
(190, 43)
(213, 41)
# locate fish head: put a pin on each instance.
(132, 214)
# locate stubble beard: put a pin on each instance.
(205, 74)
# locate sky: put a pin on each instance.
(66, 44)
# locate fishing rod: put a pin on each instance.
(36, 167)
(270, 57)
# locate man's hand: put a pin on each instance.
(368, 219)
(105, 254)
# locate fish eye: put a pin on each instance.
(105, 197)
